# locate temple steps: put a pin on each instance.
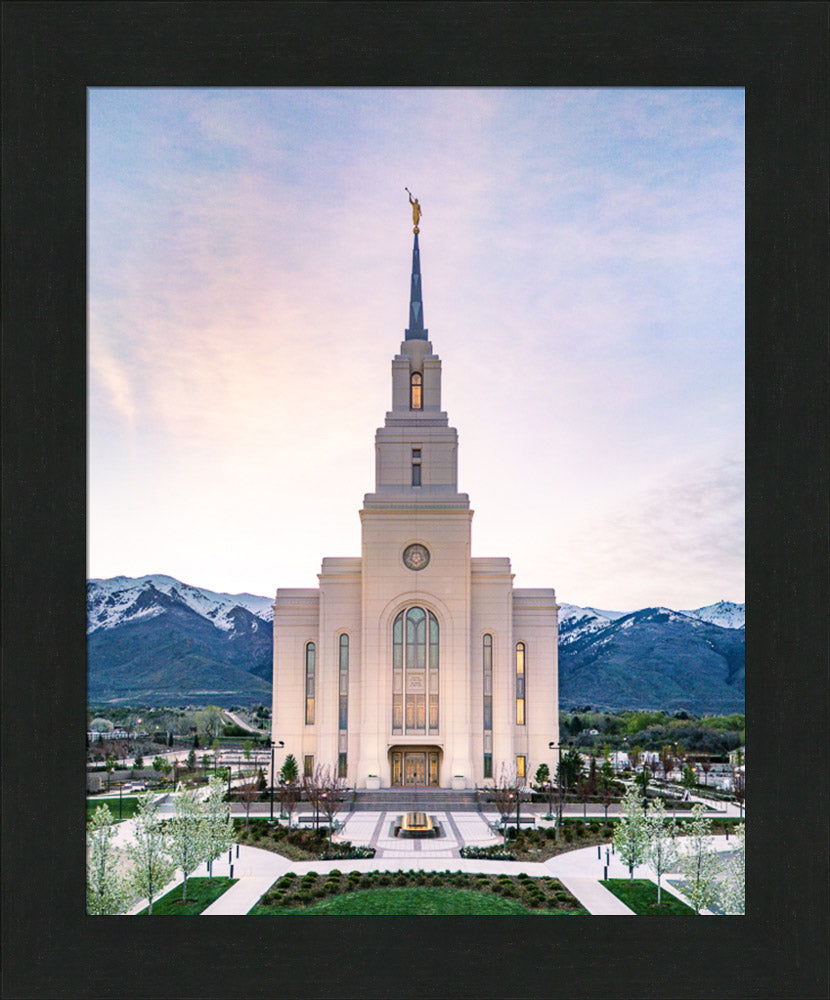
(412, 800)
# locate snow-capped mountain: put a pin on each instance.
(724, 613)
(121, 599)
(156, 640)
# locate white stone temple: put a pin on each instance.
(416, 664)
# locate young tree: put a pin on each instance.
(313, 789)
(666, 760)
(630, 836)
(261, 783)
(699, 863)
(706, 767)
(249, 792)
(661, 848)
(583, 790)
(332, 796)
(105, 889)
(152, 867)
(641, 779)
(739, 788)
(606, 789)
(187, 832)
(289, 794)
(543, 780)
(191, 760)
(505, 794)
(689, 777)
(138, 763)
(732, 893)
(289, 772)
(219, 829)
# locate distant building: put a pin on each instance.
(416, 663)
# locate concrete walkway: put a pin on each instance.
(579, 870)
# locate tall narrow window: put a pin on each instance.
(343, 692)
(308, 765)
(416, 466)
(415, 672)
(521, 766)
(415, 389)
(309, 683)
(520, 683)
(487, 689)
(342, 765)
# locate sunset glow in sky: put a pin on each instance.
(582, 254)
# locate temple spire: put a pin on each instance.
(415, 330)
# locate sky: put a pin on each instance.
(582, 259)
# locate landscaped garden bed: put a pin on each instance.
(201, 892)
(416, 892)
(297, 844)
(640, 895)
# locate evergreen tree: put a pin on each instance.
(289, 772)
(630, 836)
(106, 892)
(661, 848)
(138, 763)
(152, 867)
(188, 834)
(700, 863)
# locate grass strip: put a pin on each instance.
(640, 895)
(412, 901)
(129, 806)
(201, 892)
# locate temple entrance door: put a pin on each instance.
(415, 768)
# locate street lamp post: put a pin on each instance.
(558, 747)
(273, 748)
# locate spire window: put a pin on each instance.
(416, 385)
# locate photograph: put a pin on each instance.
(415, 450)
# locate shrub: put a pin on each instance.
(550, 832)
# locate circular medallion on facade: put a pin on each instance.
(416, 556)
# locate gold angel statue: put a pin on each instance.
(416, 210)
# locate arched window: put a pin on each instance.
(520, 683)
(415, 672)
(310, 663)
(415, 390)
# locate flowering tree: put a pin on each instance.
(630, 836)
(188, 844)
(700, 863)
(105, 889)
(152, 867)
(219, 829)
(661, 848)
(733, 889)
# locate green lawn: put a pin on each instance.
(201, 892)
(415, 901)
(129, 805)
(640, 895)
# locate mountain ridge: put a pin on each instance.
(156, 638)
